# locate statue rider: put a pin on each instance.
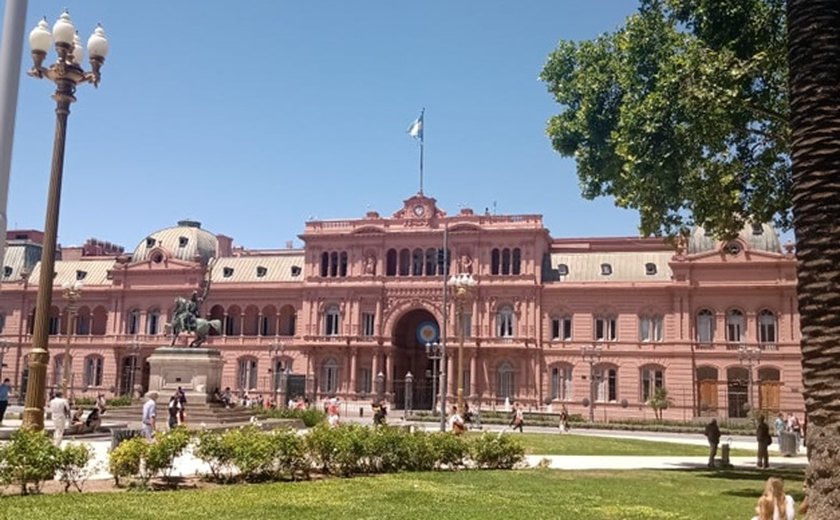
(192, 312)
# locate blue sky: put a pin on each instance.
(254, 116)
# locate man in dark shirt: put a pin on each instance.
(762, 435)
(713, 434)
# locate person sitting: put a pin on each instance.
(101, 403)
(379, 413)
(764, 508)
(76, 417)
(93, 420)
(456, 423)
(783, 505)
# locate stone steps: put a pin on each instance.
(199, 413)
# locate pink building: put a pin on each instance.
(551, 321)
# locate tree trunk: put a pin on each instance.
(814, 60)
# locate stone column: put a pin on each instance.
(353, 370)
(389, 380)
(473, 387)
(452, 380)
(374, 368)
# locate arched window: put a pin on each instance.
(333, 264)
(516, 265)
(505, 325)
(332, 321)
(766, 326)
(325, 264)
(329, 377)
(342, 264)
(405, 262)
(505, 380)
(505, 261)
(55, 321)
(561, 382)
(495, 261)
(93, 371)
(233, 321)
(287, 320)
(431, 261)
(734, 326)
(82, 322)
(247, 373)
(417, 262)
(58, 369)
(391, 263)
(153, 322)
(606, 379)
(705, 326)
(650, 328)
(133, 322)
(652, 378)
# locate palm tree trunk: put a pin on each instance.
(814, 60)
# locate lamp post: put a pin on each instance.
(72, 292)
(463, 285)
(134, 347)
(434, 351)
(380, 386)
(4, 348)
(275, 350)
(591, 354)
(66, 73)
(749, 356)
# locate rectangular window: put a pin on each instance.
(652, 378)
(264, 324)
(229, 322)
(606, 382)
(332, 324)
(650, 328)
(605, 329)
(561, 383)
(767, 332)
(367, 324)
(247, 374)
(93, 371)
(152, 327)
(561, 328)
(705, 328)
(133, 323)
(54, 325)
(330, 383)
(364, 381)
(467, 325)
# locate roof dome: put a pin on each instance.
(186, 241)
(757, 237)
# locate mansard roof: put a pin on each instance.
(186, 241)
(623, 266)
(281, 267)
(89, 272)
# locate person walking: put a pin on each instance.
(780, 425)
(518, 417)
(149, 415)
(60, 409)
(713, 435)
(182, 408)
(783, 505)
(762, 435)
(5, 392)
(174, 410)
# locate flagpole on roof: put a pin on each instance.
(416, 131)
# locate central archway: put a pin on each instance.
(409, 338)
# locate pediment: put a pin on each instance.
(724, 256)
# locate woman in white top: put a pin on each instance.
(783, 507)
(764, 509)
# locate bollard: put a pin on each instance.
(361, 412)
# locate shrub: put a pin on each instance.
(123, 400)
(290, 457)
(497, 451)
(449, 450)
(72, 465)
(353, 449)
(322, 445)
(161, 454)
(28, 460)
(420, 453)
(215, 452)
(128, 461)
(309, 416)
(252, 452)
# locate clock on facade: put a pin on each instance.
(419, 210)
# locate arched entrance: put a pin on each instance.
(410, 335)
(738, 392)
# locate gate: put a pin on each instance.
(421, 394)
(295, 386)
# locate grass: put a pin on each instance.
(672, 495)
(556, 444)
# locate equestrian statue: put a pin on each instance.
(187, 315)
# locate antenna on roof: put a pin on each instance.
(494, 207)
(290, 244)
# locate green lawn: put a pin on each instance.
(556, 444)
(532, 494)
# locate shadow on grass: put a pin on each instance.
(792, 476)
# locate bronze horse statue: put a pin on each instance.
(183, 320)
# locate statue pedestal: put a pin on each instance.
(198, 371)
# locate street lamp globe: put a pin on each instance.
(40, 37)
(78, 50)
(97, 44)
(64, 30)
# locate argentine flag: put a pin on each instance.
(416, 128)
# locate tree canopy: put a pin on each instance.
(681, 114)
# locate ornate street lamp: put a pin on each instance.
(134, 347)
(72, 292)
(463, 284)
(275, 350)
(591, 354)
(434, 351)
(66, 73)
(749, 356)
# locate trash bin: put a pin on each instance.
(724, 454)
(787, 444)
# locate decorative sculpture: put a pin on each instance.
(187, 315)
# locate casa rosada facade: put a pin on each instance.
(550, 322)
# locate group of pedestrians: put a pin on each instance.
(789, 424)
(67, 417)
(762, 435)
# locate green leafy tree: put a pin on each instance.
(718, 112)
(682, 114)
(659, 401)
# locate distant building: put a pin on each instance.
(705, 320)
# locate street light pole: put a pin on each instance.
(750, 355)
(275, 350)
(591, 354)
(463, 284)
(66, 74)
(434, 351)
(134, 347)
(72, 292)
